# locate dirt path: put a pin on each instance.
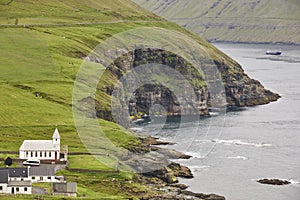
(78, 24)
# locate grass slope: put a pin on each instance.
(39, 62)
(235, 21)
(72, 11)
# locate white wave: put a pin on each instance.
(203, 141)
(194, 154)
(199, 168)
(293, 181)
(238, 157)
(240, 142)
(214, 113)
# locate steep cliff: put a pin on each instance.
(239, 88)
(254, 21)
(43, 44)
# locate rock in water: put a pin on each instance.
(274, 181)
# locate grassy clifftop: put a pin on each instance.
(42, 47)
(235, 21)
(43, 44)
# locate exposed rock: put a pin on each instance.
(170, 153)
(152, 160)
(180, 171)
(153, 141)
(164, 197)
(239, 88)
(185, 195)
(203, 196)
(164, 177)
(180, 186)
(169, 173)
(163, 174)
(242, 90)
(274, 181)
(147, 95)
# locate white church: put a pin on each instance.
(43, 149)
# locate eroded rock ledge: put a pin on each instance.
(240, 90)
(164, 180)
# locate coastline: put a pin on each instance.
(165, 180)
(254, 43)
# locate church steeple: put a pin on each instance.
(56, 137)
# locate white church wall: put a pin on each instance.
(40, 155)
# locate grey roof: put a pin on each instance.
(18, 172)
(42, 171)
(3, 175)
(65, 187)
(39, 145)
(19, 183)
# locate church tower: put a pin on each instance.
(56, 138)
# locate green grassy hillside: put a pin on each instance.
(73, 11)
(42, 47)
(43, 44)
(235, 21)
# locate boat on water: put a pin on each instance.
(274, 53)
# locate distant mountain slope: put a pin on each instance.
(263, 21)
(44, 43)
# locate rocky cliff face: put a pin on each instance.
(239, 88)
(146, 94)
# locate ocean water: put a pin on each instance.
(232, 150)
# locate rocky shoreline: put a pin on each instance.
(165, 180)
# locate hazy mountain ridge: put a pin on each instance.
(43, 44)
(259, 21)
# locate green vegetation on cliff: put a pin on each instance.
(262, 21)
(43, 44)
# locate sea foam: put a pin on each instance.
(238, 157)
